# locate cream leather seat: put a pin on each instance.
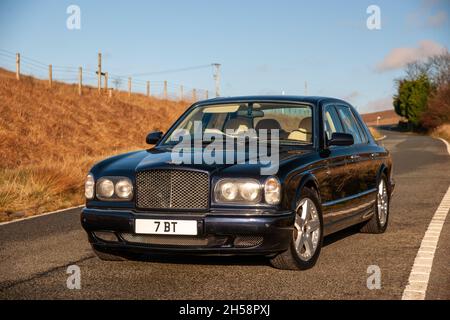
(238, 125)
(304, 132)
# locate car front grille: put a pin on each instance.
(172, 189)
(164, 240)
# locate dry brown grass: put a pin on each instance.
(375, 133)
(49, 138)
(443, 132)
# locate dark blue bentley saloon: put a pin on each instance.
(259, 175)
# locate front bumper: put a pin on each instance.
(219, 233)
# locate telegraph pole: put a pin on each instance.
(99, 72)
(306, 88)
(217, 77)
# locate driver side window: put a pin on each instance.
(349, 122)
(332, 123)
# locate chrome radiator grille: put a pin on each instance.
(172, 189)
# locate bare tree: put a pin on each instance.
(439, 69)
(436, 68)
(416, 69)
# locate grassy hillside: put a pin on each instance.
(387, 117)
(50, 137)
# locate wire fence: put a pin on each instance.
(86, 77)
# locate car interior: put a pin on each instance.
(303, 132)
(292, 123)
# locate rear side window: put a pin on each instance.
(362, 130)
(350, 124)
(332, 123)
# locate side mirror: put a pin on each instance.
(154, 137)
(341, 139)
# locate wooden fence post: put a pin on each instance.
(129, 86)
(106, 81)
(165, 90)
(50, 76)
(181, 92)
(80, 80)
(18, 66)
(99, 72)
(148, 88)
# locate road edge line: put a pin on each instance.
(416, 289)
(447, 144)
(40, 215)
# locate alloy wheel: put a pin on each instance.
(307, 229)
(382, 202)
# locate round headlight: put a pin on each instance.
(124, 189)
(89, 187)
(105, 188)
(272, 191)
(249, 191)
(229, 191)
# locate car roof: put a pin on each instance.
(270, 98)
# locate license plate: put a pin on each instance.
(179, 227)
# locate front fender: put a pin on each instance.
(296, 184)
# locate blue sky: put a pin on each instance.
(265, 47)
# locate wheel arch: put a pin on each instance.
(384, 169)
(310, 181)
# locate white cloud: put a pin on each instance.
(399, 57)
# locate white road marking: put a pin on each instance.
(40, 215)
(446, 143)
(420, 273)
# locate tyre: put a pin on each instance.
(379, 221)
(107, 256)
(307, 236)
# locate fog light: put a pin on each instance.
(108, 236)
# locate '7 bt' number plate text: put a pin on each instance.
(169, 227)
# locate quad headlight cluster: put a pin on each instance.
(247, 191)
(226, 190)
(108, 188)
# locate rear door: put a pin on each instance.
(338, 177)
(360, 160)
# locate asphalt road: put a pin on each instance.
(35, 253)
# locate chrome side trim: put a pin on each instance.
(355, 196)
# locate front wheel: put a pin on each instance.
(307, 236)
